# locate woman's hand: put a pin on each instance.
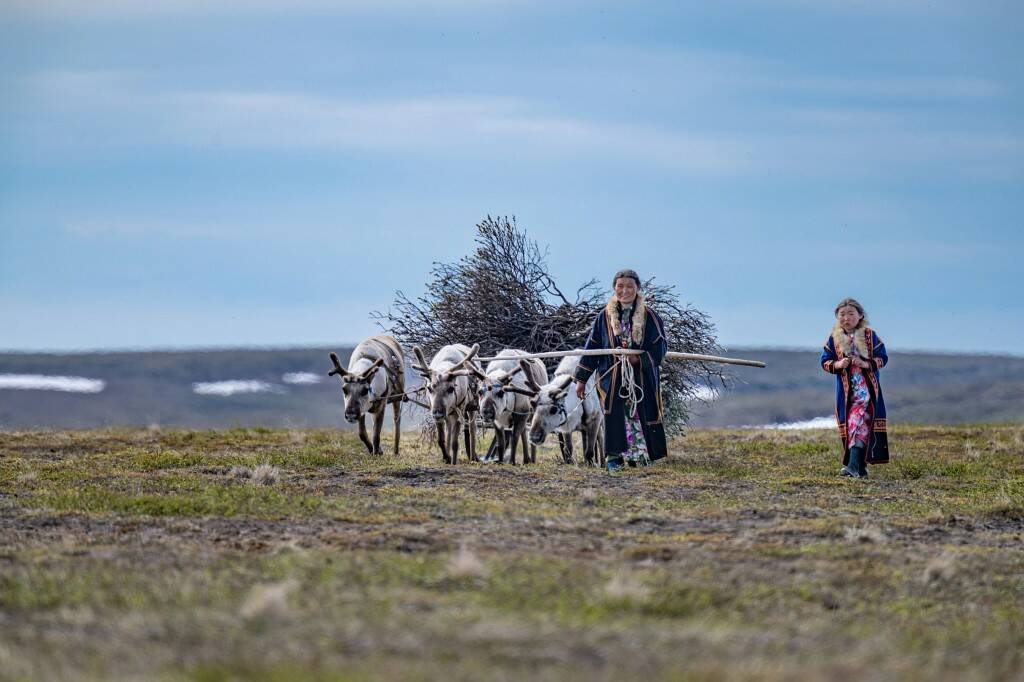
(581, 388)
(863, 364)
(841, 364)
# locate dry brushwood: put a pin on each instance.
(503, 296)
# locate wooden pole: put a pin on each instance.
(671, 355)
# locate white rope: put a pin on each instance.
(630, 391)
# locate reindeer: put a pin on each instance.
(452, 396)
(556, 408)
(368, 390)
(504, 403)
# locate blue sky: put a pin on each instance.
(178, 174)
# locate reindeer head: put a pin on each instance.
(360, 390)
(448, 388)
(549, 409)
(493, 390)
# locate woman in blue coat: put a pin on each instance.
(632, 436)
(855, 354)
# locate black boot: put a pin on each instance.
(856, 461)
(863, 464)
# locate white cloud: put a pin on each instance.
(107, 109)
(900, 88)
(158, 9)
(466, 126)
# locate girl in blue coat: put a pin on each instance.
(633, 435)
(855, 354)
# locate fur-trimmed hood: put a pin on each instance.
(860, 342)
(612, 311)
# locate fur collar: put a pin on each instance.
(639, 317)
(842, 341)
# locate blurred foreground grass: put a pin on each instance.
(159, 555)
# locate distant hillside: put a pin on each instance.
(143, 388)
(919, 387)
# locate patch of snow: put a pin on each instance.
(816, 423)
(226, 388)
(43, 382)
(706, 393)
(301, 378)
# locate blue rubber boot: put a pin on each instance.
(856, 462)
(615, 463)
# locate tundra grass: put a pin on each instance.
(130, 554)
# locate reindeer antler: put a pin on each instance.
(371, 369)
(338, 369)
(423, 368)
(525, 367)
(473, 370)
(508, 375)
(562, 386)
(469, 356)
(522, 391)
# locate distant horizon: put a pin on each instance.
(349, 345)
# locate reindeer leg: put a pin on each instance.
(502, 436)
(512, 442)
(378, 424)
(567, 450)
(561, 446)
(520, 435)
(526, 444)
(453, 437)
(396, 414)
(442, 442)
(362, 434)
(472, 441)
(494, 452)
(590, 435)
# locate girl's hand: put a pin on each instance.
(581, 388)
(842, 364)
(863, 364)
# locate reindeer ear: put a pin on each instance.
(338, 369)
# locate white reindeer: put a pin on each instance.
(452, 397)
(368, 390)
(504, 401)
(557, 409)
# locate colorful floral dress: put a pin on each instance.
(636, 445)
(858, 421)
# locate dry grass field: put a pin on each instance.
(176, 555)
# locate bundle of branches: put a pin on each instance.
(503, 296)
